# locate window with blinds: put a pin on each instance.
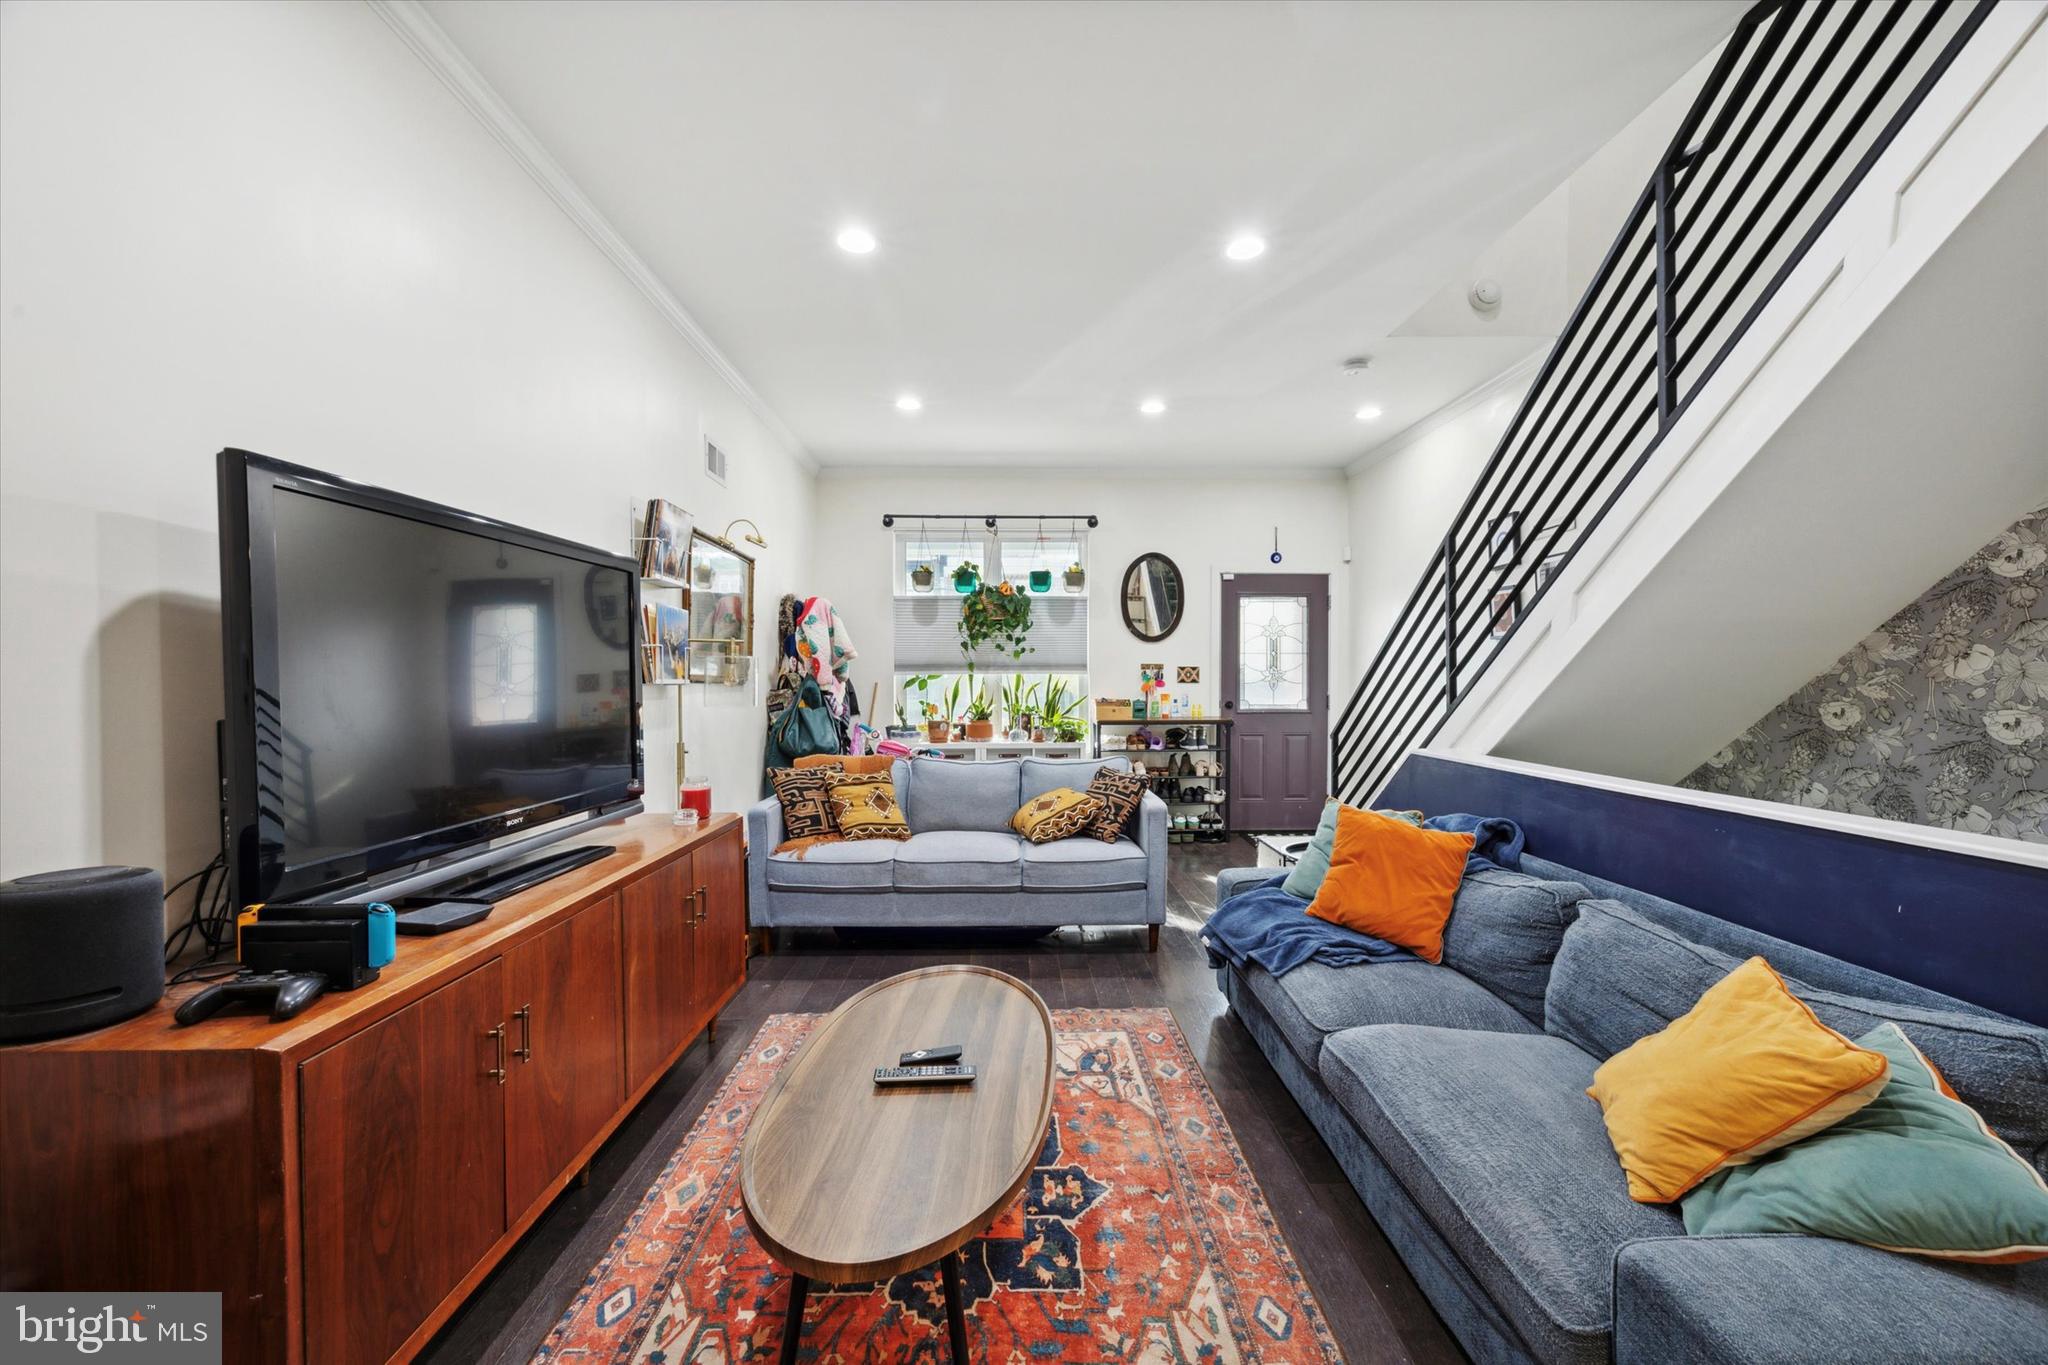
(927, 620)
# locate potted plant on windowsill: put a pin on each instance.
(940, 723)
(906, 727)
(966, 577)
(1019, 706)
(922, 578)
(981, 712)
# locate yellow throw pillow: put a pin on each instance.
(1747, 1070)
(1059, 814)
(865, 808)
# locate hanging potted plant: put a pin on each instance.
(1076, 578)
(922, 578)
(1041, 580)
(967, 577)
(998, 616)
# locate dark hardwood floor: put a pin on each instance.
(1374, 1308)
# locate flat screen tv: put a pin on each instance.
(408, 683)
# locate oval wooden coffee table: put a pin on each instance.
(844, 1180)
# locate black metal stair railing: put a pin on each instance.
(1802, 100)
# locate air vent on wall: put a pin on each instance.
(714, 462)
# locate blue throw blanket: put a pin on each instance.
(1265, 925)
(1496, 840)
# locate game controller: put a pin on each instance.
(285, 992)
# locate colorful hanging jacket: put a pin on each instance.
(824, 649)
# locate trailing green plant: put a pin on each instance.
(920, 683)
(998, 615)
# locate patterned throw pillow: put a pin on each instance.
(1059, 814)
(1120, 794)
(866, 808)
(806, 797)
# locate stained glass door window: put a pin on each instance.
(1272, 642)
(504, 673)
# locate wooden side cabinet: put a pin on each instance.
(402, 1167)
(655, 917)
(564, 1047)
(345, 1178)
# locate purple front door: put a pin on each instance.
(1276, 687)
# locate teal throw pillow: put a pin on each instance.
(1915, 1170)
(1313, 865)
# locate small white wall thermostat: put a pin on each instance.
(1486, 294)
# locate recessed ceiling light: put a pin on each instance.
(1368, 413)
(1152, 407)
(1246, 246)
(855, 240)
(909, 402)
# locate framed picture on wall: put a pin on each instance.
(1504, 539)
(1506, 604)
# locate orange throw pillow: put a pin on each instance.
(1391, 880)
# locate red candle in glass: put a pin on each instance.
(695, 795)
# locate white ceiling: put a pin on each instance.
(1052, 185)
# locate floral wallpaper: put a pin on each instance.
(1937, 718)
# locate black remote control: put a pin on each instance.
(931, 1056)
(924, 1075)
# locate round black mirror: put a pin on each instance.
(1154, 595)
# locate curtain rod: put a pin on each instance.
(889, 518)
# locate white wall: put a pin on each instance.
(1400, 504)
(271, 226)
(1208, 526)
(1402, 494)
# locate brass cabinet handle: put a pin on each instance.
(702, 897)
(497, 1037)
(524, 1014)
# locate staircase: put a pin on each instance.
(1804, 100)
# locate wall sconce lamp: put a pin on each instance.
(753, 532)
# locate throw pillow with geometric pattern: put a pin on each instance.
(866, 808)
(806, 797)
(1059, 814)
(1120, 794)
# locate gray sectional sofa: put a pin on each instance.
(963, 867)
(1453, 1097)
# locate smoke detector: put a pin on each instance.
(1485, 294)
(1357, 365)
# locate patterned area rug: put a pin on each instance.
(1141, 1237)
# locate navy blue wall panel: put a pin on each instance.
(1975, 928)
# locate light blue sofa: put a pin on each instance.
(1453, 1097)
(963, 867)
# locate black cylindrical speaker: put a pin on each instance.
(79, 949)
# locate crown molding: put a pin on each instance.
(1513, 376)
(432, 45)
